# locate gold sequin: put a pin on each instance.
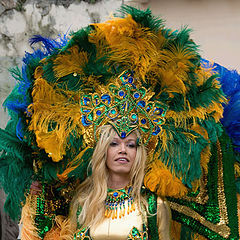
(202, 196)
(222, 229)
(221, 193)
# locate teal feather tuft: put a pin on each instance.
(15, 171)
(143, 17)
(183, 154)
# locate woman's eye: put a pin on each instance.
(113, 144)
(131, 145)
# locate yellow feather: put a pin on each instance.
(29, 230)
(128, 44)
(165, 137)
(72, 165)
(206, 152)
(198, 237)
(172, 82)
(175, 230)
(176, 58)
(72, 61)
(51, 108)
(216, 109)
(160, 180)
(61, 230)
(237, 169)
(181, 118)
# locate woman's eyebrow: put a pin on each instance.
(131, 139)
(115, 138)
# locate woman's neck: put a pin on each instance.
(118, 181)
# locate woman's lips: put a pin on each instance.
(122, 160)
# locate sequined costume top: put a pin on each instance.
(132, 225)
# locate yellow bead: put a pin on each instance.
(134, 208)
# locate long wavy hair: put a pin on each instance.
(91, 194)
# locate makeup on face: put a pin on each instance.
(121, 154)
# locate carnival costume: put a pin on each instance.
(133, 73)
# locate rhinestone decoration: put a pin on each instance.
(125, 106)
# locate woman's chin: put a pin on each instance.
(122, 170)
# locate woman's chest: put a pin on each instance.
(129, 227)
(119, 228)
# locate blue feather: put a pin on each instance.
(19, 129)
(16, 106)
(230, 81)
(21, 100)
(36, 54)
(49, 44)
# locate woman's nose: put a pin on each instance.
(122, 149)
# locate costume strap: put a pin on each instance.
(152, 220)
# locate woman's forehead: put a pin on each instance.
(131, 136)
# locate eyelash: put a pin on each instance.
(113, 144)
(130, 145)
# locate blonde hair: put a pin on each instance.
(91, 194)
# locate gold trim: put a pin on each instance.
(238, 204)
(221, 193)
(222, 229)
(202, 196)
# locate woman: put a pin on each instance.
(112, 203)
(118, 171)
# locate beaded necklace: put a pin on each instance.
(115, 203)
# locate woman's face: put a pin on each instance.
(121, 154)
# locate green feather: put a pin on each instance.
(183, 153)
(204, 95)
(143, 17)
(15, 171)
(11, 144)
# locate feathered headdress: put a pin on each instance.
(129, 71)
